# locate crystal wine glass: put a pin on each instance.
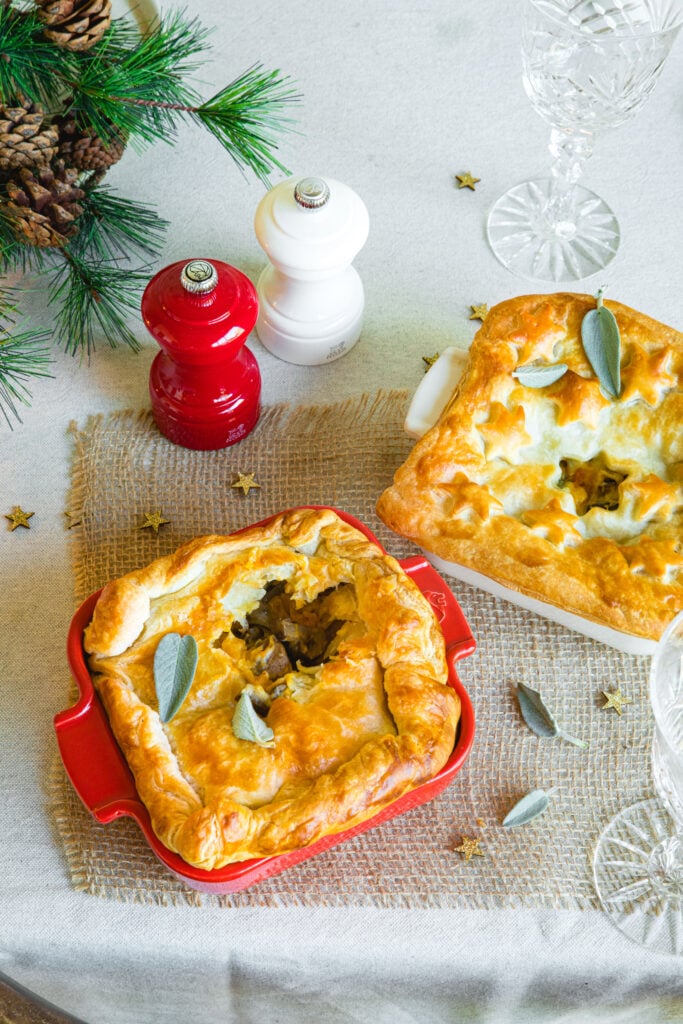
(588, 65)
(638, 864)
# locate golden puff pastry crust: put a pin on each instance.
(560, 493)
(337, 648)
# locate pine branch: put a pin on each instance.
(142, 90)
(134, 87)
(111, 227)
(245, 116)
(143, 95)
(29, 64)
(91, 295)
(23, 355)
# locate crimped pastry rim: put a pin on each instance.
(377, 548)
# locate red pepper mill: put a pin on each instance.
(205, 385)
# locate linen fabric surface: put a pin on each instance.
(397, 98)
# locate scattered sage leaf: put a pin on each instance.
(540, 376)
(175, 663)
(530, 806)
(247, 725)
(602, 344)
(534, 712)
(538, 717)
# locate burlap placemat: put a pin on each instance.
(344, 455)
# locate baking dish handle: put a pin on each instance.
(458, 636)
(93, 760)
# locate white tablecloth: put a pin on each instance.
(398, 97)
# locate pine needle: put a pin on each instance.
(141, 91)
(29, 64)
(112, 227)
(23, 355)
(92, 295)
(245, 116)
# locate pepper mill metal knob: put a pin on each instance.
(311, 300)
(204, 385)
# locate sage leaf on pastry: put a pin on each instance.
(539, 718)
(175, 663)
(539, 375)
(602, 344)
(528, 808)
(247, 725)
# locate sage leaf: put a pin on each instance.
(539, 718)
(247, 725)
(529, 807)
(540, 376)
(602, 344)
(175, 663)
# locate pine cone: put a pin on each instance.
(74, 24)
(44, 205)
(24, 142)
(83, 149)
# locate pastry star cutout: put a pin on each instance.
(537, 336)
(504, 432)
(470, 496)
(466, 180)
(578, 399)
(653, 498)
(18, 517)
(654, 557)
(616, 700)
(469, 848)
(246, 482)
(645, 375)
(553, 523)
(154, 520)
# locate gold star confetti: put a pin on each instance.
(616, 700)
(154, 520)
(430, 360)
(18, 517)
(479, 312)
(72, 519)
(466, 180)
(245, 481)
(469, 847)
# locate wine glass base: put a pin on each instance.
(524, 241)
(636, 893)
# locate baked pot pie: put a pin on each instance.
(559, 492)
(341, 658)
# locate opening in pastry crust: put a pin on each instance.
(593, 484)
(281, 636)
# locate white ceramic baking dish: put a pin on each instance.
(425, 408)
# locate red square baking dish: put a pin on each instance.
(102, 779)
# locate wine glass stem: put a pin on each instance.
(569, 149)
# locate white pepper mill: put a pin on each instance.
(311, 299)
